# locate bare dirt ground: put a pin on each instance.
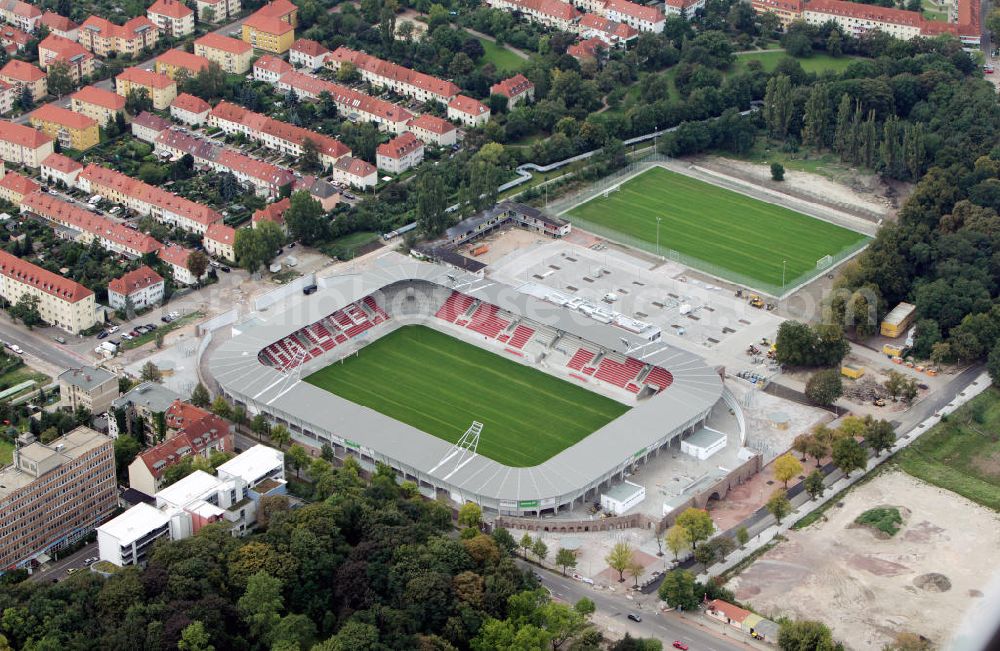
(866, 587)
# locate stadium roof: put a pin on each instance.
(606, 452)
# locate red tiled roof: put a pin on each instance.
(735, 613)
(193, 440)
(309, 47)
(176, 255)
(107, 29)
(170, 8)
(152, 121)
(256, 122)
(468, 105)
(356, 100)
(57, 23)
(554, 8)
(400, 146)
(355, 167)
(181, 414)
(60, 163)
(221, 233)
(619, 30)
(100, 97)
(145, 78)
(277, 9)
(637, 11)
(63, 48)
(586, 49)
(273, 212)
(224, 43)
(253, 168)
(23, 9)
(190, 103)
(398, 73)
(22, 135)
(67, 214)
(512, 86)
(135, 280)
(273, 64)
(145, 193)
(267, 24)
(63, 117)
(9, 34)
(43, 279)
(431, 123)
(866, 12)
(21, 185)
(21, 71)
(181, 59)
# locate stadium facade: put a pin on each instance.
(671, 392)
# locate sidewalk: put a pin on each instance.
(804, 505)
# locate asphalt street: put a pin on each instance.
(57, 570)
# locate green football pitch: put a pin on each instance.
(439, 384)
(740, 238)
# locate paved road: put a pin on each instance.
(57, 570)
(662, 626)
(40, 345)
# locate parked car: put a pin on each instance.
(135, 333)
(680, 645)
(91, 560)
(72, 570)
(103, 334)
(113, 329)
(634, 617)
(126, 336)
(16, 349)
(59, 339)
(226, 270)
(142, 330)
(166, 318)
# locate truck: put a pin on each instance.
(756, 301)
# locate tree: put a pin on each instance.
(309, 161)
(814, 484)
(540, 549)
(816, 119)
(848, 455)
(268, 506)
(742, 536)
(431, 202)
(585, 607)
(698, 524)
(197, 264)
(261, 604)
(470, 515)
(126, 449)
(785, 467)
(824, 387)
(297, 458)
(636, 569)
(260, 426)
(565, 558)
(280, 435)
(777, 172)
(526, 542)
(678, 590)
(151, 373)
(26, 310)
(305, 218)
(200, 397)
(620, 558)
(60, 82)
(195, 638)
(805, 636)
(778, 109)
(880, 436)
(778, 505)
(221, 408)
(678, 540)
(137, 100)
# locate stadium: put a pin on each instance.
(521, 399)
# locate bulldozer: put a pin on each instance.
(756, 301)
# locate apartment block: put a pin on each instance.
(22, 145)
(200, 438)
(20, 14)
(176, 257)
(21, 74)
(103, 37)
(550, 13)
(91, 388)
(268, 34)
(218, 11)
(171, 62)
(78, 60)
(516, 89)
(400, 153)
(98, 104)
(171, 17)
(141, 287)
(352, 104)
(161, 88)
(72, 130)
(433, 130)
(57, 168)
(60, 25)
(468, 111)
(190, 110)
(14, 187)
(399, 79)
(219, 241)
(232, 55)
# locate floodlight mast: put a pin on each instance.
(464, 450)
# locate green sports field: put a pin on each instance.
(739, 237)
(439, 384)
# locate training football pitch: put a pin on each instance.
(740, 238)
(439, 384)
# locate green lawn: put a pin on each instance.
(961, 454)
(346, 247)
(817, 63)
(501, 58)
(6, 453)
(439, 384)
(731, 232)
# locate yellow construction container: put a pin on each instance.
(892, 350)
(898, 320)
(853, 372)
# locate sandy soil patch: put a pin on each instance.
(867, 589)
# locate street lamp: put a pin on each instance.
(783, 263)
(658, 236)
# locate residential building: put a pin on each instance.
(176, 257)
(103, 37)
(9, 93)
(22, 74)
(54, 48)
(113, 236)
(644, 18)
(232, 55)
(685, 8)
(612, 33)
(141, 287)
(93, 389)
(516, 89)
(204, 437)
(146, 199)
(588, 49)
(13, 39)
(273, 212)
(199, 499)
(60, 25)
(139, 408)
(399, 79)
(57, 169)
(787, 11)
(726, 613)
(14, 187)
(434, 130)
(62, 302)
(72, 130)
(189, 109)
(319, 189)
(21, 15)
(274, 134)
(468, 111)
(22, 145)
(219, 241)
(283, 10)
(551, 13)
(97, 104)
(218, 11)
(351, 104)
(400, 154)
(268, 34)
(305, 53)
(54, 495)
(161, 88)
(171, 17)
(172, 61)
(355, 172)
(148, 126)
(271, 68)
(181, 415)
